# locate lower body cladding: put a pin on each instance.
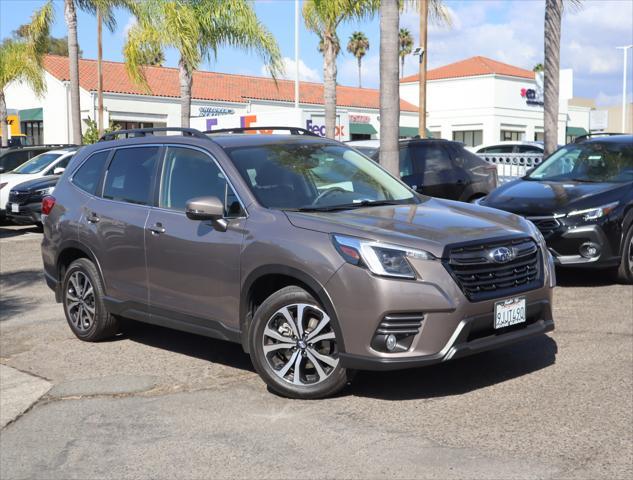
(430, 319)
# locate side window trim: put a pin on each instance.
(159, 179)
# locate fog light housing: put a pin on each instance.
(589, 250)
(391, 343)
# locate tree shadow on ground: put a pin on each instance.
(11, 282)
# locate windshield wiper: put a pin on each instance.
(586, 180)
(349, 206)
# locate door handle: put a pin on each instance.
(157, 229)
(93, 218)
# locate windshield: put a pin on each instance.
(588, 162)
(315, 176)
(38, 163)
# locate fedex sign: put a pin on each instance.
(319, 129)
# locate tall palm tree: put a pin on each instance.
(438, 13)
(323, 17)
(389, 85)
(196, 29)
(70, 14)
(358, 46)
(406, 46)
(551, 80)
(21, 60)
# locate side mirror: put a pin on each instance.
(206, 208)
(58, 170)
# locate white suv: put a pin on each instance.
(53, 162)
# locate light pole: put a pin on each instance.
(624, 74)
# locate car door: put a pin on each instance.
(438, 175)
(114, 224)
(194, 267)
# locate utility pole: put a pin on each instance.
(296, 53)
(625, 51)
(99, 74)
(424, 21)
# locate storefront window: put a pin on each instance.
(470, 138)
(436, 134)
(134, 125)
(34, 131)
(511, 136)
(539, 136)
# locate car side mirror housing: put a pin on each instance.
(207, 208)
(58, 170)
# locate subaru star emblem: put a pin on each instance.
(501, 255)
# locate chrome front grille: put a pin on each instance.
(481, 277)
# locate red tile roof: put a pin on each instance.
(471, 67)
(163, 82)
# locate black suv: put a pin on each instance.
(439, 168)
(13, 157)
(581, 198)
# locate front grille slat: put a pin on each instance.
(400, 324)
(481, 278)
(18, 196)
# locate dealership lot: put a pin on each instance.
(156, 403)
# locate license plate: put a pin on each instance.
(15, 208)
(509, 312)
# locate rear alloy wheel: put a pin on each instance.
(294, 348)
(625, 271)
(82, 296)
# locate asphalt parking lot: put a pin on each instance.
(155, 403)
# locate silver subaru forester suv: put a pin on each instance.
(306, 252)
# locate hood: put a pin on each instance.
(15, 178)
(529, 197)
(37, 183)
(429, 225)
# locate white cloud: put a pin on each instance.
(305, 73)
(131, 22)
(370, 71)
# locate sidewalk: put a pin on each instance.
(18, 391)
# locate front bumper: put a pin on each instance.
(564, 244)
(452, 326)
(29, 213)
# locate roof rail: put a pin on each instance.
(582, 138)
(292, 130)
(142, 132)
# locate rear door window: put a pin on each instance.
(88, 175)
(129, 176)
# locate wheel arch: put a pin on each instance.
(265, 280)
(70, 251)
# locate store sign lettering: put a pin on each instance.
(359, 118)
(339, 130)
(532, 96)
(214, 111)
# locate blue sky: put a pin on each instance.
(506, 30)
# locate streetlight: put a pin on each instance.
(624, 51)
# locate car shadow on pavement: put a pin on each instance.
(585, 277)
(16, 231)
(10, 305)
(205, 348)
(458, 376)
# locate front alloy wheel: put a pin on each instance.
(293, 346)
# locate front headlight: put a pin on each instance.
(589, 214)
(45, 191)
(380, 258)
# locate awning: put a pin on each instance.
(31, 115)
(366, 128)
(576, 131)
(412, 132)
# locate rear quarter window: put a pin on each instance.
(88, 174)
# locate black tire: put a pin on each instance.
(625, 270)
(337, 376)
(103, 324)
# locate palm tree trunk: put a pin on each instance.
(73, 60)
(186, 80)
(424, 22)
(360, 85)
(3, 120)
(553, 13)
(389, 86)
(99, 73)
(329, 83)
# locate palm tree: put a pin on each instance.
(323, 17)
(406, 46)
(21, 61)
(437, 12)
(358, 46)
(538, 68)
(70, 14)
(196, 29)
(389, 86)
(551, 80)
